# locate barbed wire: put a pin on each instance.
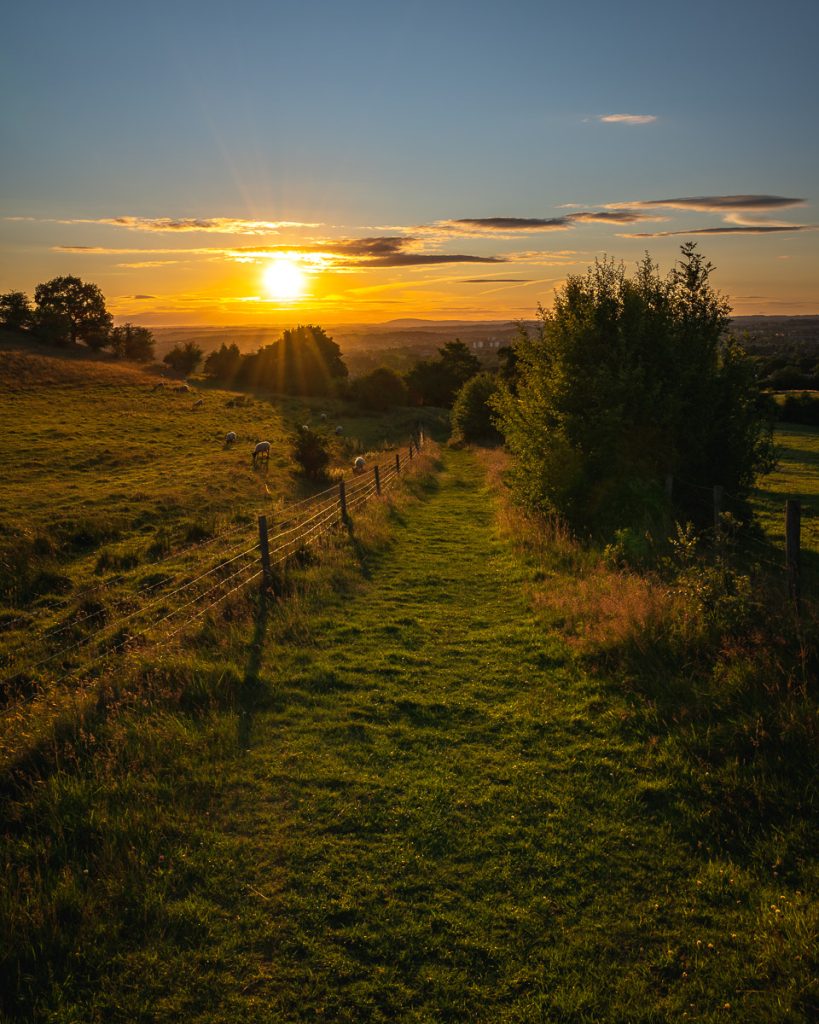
(307, 531)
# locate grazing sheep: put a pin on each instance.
(182, 388)
(230, 438)
(323, 417)
(158, 385)
(198, 403)
(358, 465)
(261, 451)
(339, 430)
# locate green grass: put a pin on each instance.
(400, 796)
(110, 482)
(797, 476)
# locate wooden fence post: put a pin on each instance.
(265, 549)
(342, 497)
(793, 520)
(718, 492)
(410, 448)
(377, 480)
(397, 462)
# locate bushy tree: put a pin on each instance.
(380, 390)
(223, 363)
(473, 418)
(132, 342)
(438, 381)
(627, 380)
(184, 358)
(305, 361)
(310, 451)
(78, 305)
(15, 311)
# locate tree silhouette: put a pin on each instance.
(67, 304)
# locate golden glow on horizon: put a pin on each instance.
(284, 279)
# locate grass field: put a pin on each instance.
(111, 481)
(797, 476)
(402, 796)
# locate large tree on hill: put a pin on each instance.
(70, 305)
(223, 363)
(438, 381)
(626, 381)
(15, 311)
(305, 361)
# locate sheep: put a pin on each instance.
(358, 465)
(261, 451)
(323, 417)
(182, 388)
(158, 385)
(339, 430)
(198, 403)
(230, 438)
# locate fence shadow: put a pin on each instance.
(248, 700)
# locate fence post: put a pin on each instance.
(265, 549)
(410, 448)
(397, 462)
(377, 480)
(793, 520)
(718, 492)
(342, 497)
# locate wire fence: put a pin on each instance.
(736, 535)
(87, 640)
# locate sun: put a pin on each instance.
(284, 279)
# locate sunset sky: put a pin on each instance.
(363, 161)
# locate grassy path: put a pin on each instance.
(440, 819)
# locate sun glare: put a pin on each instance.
(284, 279)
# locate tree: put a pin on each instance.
(473, 418)
(80, 306)
(15, 311)
(132, 342)
(628, 380)
(223, 364)
(311, 453)
(437, 381)
(305, 361)
(184, 358)
(380, 390)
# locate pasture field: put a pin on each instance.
(111, 481)
(403, 794)
(796, 476)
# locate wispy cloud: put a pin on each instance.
(505, 225)
(210, 225)
(715, 204)
(495, 280)
(627, 118)
(758, 229)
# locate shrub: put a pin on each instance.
(311, 453)
(473, 418)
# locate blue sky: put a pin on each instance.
(374, 120)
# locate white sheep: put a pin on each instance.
(339, 430)
(358, 465)
(198, 403)
(230, 438)
(182, 388)
(261, 451)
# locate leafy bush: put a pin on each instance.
(310, 451)
(473, 418)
